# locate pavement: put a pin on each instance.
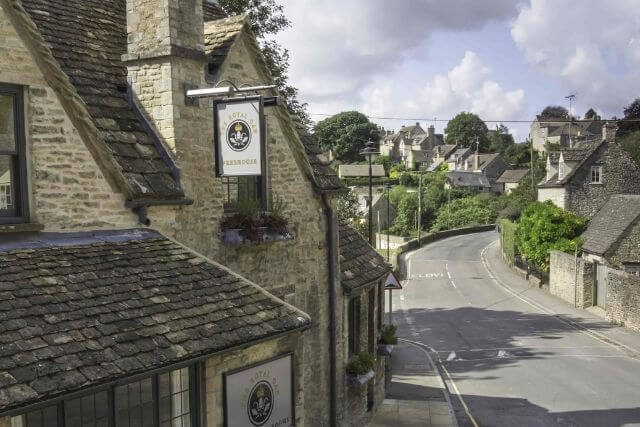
(510, 354)
(416, 395)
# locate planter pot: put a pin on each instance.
(359, 380)
(385, 349)
(232, 237)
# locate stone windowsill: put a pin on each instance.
(596, 183)
(27, 227)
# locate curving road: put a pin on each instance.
(512, 355)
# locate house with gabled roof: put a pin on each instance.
(411, 145)
(582, 179)
(561, 132)
(510, 179)
(110, 249)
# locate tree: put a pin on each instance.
(267, 19)
(461, 213)
(544, 227)
(555, 112)
(385, 161)
(465, 128)
(500, 139)
(346, 134)
(631, 143)
(631, 112)
(348, 208)
(591, 115)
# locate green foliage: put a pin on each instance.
(385, 161)
(267, 18)
(555, 112)
(464, 212)
(361, 364)
(500, 139)
(346, 134)
(508, 234)
(465, 128)
(591, 115)
(408, 179)
(519, 155)
(396, 169)
(348, 208)
(544, 227)
(406, 211)
(364, 181)
(388, 335)
(631, 143)
(632, 111)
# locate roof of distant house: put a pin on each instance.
(444, 150)
(82, 309)
(485, 160)
(212, 10)
(461, 153)
(512, 176)
(468, 179)
(436, 164)
(358, 171)
(360, 264)
(611, 223)
(573, 155)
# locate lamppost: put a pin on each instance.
(388, 187)
(369, 152)
(419, 204)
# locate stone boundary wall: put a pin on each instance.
(394, 241)
(401, 269)
(623, 299)
(564, 284)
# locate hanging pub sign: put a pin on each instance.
(239, 136)
(260, 395)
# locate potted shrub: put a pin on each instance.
(251, 225)
(360, 369)
(387, 340)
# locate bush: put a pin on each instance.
(508, 230)
(388, 335)
(545, 227)
(361, 364)
(465, 212)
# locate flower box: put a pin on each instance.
(385, 349)
(359, 380)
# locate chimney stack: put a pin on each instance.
(609, 131)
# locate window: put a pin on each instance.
(596, 174)
(633, 268)
(13, 200)
(163, 400)
(354, 326)
(239, 188)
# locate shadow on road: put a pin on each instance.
(509, 412)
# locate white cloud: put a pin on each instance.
(339, 48)
(592, 47)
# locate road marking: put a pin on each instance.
(451, 356)
(593, 334)
(454, 285)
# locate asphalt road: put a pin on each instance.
(512, 355)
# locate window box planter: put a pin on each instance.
(359, 380)
(385, 349)
(238, 237)
(254, 227)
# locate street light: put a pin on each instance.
(369, 152)
(388, 187)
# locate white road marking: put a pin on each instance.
(453, 284)
(451, 356)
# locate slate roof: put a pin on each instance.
(81, 309)
(578, 155)
(485, 160)
(611, 222)
(357, 171)
(436, 164)
(219, 36)
(512, 176)
(444, 150)
(325, 177)
(468, 179)
(87, 39)
(360, 264)
(460, 153)
(212, 11)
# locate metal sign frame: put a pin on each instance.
(262, 126)
(253, 365)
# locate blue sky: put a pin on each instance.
(502, 59)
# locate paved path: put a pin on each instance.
(513, 355)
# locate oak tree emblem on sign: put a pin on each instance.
(260, 404)
(238, 135)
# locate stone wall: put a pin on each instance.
(627, 250)
(620, 175)
(557, 196)
(562, 279)
(623, 299)
(217, 366)
(67, 190)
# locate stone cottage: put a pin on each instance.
(411, 145)
(124, 300)
(583, 178)
(511, 179)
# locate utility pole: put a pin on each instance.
(570, 97)
(533, 185)
(419, 206)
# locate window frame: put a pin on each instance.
(597, 169)
(353, 313)
(260, 190)
(195, 397)
(19, 175)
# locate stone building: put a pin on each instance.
(583, 178)
(118, 280)
(511, 179)
(546, 131)
(411, 145)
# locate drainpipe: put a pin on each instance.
(332, 310)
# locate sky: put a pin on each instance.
(501, 59)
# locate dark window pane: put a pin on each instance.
(7, 124)
(72, 409)
(7, 184)
(134, 404)
(88, 411)
(47, 417)
(102, 405)
(176, 407)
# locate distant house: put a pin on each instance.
(440, 155)
(582, 179)
(383, 212)
(472, 181)
(401, 145)
(613, 235)
(360, 171)
(489, 165)
(510, 179)
(556, 131)
(459, 159)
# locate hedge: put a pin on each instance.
(362, 182)
(508, 235)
